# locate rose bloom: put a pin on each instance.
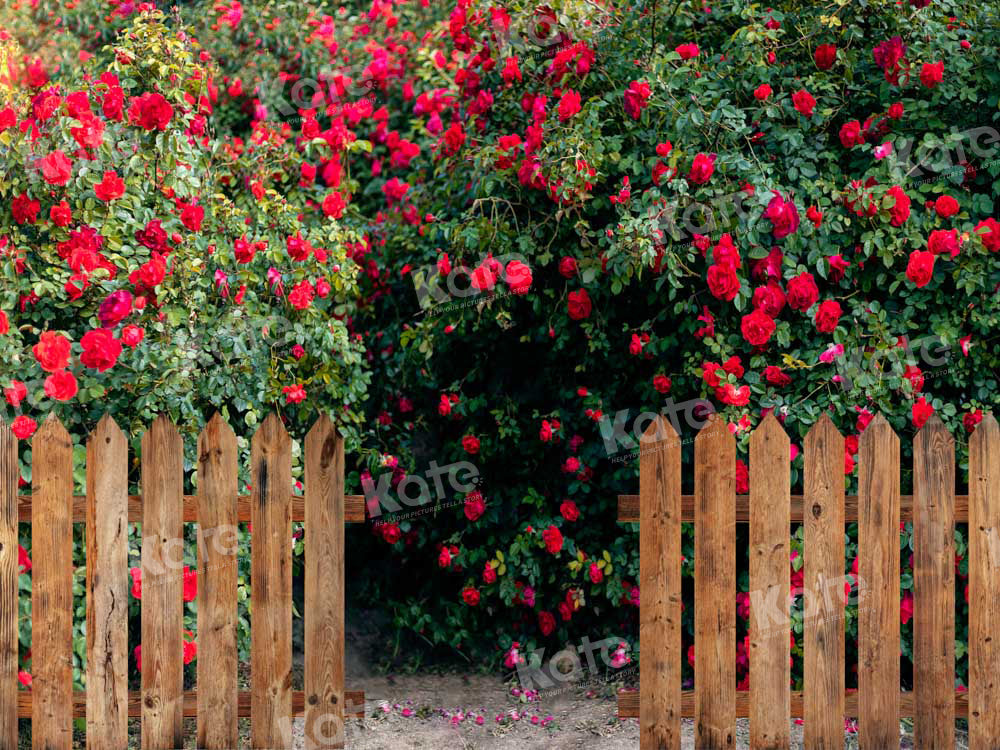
(61, 214)
(100, 349)
(723, 281)
(804, 102)
(900, 210)
(896, 110)
(783, 215)
(757, 328)
(662, 383)
(989, 231)
(701, 169)
(825, 56)
(569, 510)
(115, 308)
(474, 505)
(827, 316)
(922, 411)
(943, 241)
(920, 268)
(518, 277)
(4, 323)
(636, 98)
(132, 336)
(553, 540)
(762, 92)
(569, 105)
(578, 305)
(15, 393)
(546, 622)
(770, 298)
(23, 427)
(774, 376)
(57, 168)
(151, 111)
(931, 74)
(470, 444)
(850, 134)
(470, 596)
(61, 385)
(110, 188)
(802, 292)
(687, 51)
(946, 206)
(52, 351)
(567, 267)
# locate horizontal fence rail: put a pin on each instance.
(162, 703)
(770, 509)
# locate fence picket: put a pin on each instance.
(934, 586)
(271, 587)
(984, 585)
(715, 586)
(878, 569)
(823, 623)
(9, 474)
(770, 507)
(217, 549)
(107, 588)
(660, 584)
(52, 588)
(324, 587)
(162, 587)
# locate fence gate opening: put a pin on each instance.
(715, 509)
(162, 509)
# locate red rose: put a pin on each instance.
(190, 584)
(23, 427)
(827, 316)
(474, 505)
(804, 102)
(701, 169)
(578, 305)
(518, 277)
(100, 349)
(25, 209)
(989, 231)
(774, 376)
(546, 622)
(825, 56)
(742, 478)
(553, 539)
(192, 216)
(762, 92)
(931, 74)
(896, 110)
(470, 596)
(132, 336)
(687, 51)
(57, 168)
(900, 210)
(850, 134)
(150, 111)
(662, 383)
(915, 376)
(770, 298)
(946, 206)
(595, 573)
(922, 411)
(802, 292)
(15, 393)
(636, 98)
(723, 282)
(569, 105)
(4, 323)
(944, 241)
(783, 215)
(920, 268)
(61, 214)
(757, 328)
(489, 574)
(470, 444)
(567, 267)
(569, 510)
(61, 385)
(334, 205)
(972, 419)
(110, 188)
(52, 351)
(391, 532)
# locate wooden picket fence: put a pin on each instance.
(715, 509)
(162, 508)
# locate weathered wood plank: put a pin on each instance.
(162, 587)
(217, 558)
(271, 587)
(660, 584)
(628, 508)
(52, 588)
(9, 474)
(107, 587)
(324, 587)
(984, 586)
(354, 508)
(823, 608)
(878, 570)
(934, 586)
(715, 587)
(770, 627)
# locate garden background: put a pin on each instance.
(499, 234)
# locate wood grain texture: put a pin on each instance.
(660, 584)
(878, 570)
(934, 586)
(984, 586)
(162, 587)
(107, 587)
(823, 607)
(9, 474)
(218, 545)
(770, 627)
(271, 587)
(628, 508)
(52, 588)
(715, 587)
(628, 705)
(354, 508)
(324, 587)
(354, 704)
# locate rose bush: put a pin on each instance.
(785, 209)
